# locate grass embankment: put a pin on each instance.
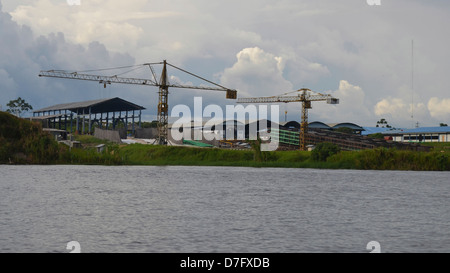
(138, 154)
(391, 159)
(23, 142)
(377, 159)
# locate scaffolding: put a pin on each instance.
(346, 142)
(285, 137)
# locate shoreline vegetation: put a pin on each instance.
(23, 142)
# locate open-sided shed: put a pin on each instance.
(105, 112)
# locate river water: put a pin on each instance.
(221, 209)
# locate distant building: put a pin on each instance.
(423, 134)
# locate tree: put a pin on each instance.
(18, 106)
(383, 123)
(324, 150)
(443, 125)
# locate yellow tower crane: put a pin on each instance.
(163, 84)
(305, 96)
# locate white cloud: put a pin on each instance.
(108, 22)
(352, 106)
(257, 73)
(439, 108)
(397, 112)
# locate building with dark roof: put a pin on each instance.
(103, 112)
(320, 125)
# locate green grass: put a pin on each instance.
(138, 154)
(376, 159)
(90, 156)
(90, 140)
(392, 159)
(443, 147)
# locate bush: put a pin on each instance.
(24, 142)
(324, 150)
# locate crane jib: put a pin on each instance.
(163, 87)
(230, 94)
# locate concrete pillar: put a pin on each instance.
(114, 121)
(107, 120)
(140, 123)
(126, 122)
(90, 121)
(59, 120)
(84, 118)
(78, 122)
(71, 122)
(133, 123)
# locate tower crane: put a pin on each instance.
(163, 84)
(305, 96)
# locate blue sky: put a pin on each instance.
(359, 53)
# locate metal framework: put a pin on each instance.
(305, 96)
(163, 85)
(101, 111)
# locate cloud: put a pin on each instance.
(399, 112)
(90, 21)
(439, 108)
(319, 43)
(22, 56)
(352, 106)
(257, 73)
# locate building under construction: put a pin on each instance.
(289, 133)
(83, 116)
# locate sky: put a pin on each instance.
(386, 61)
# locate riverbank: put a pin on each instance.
(23, 142)
(376, 159)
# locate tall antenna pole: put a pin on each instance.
(412, 82)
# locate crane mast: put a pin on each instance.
(163, 93)
(305, 96)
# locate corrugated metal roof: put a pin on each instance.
(347, 125)
(420, 130)
(374, 130)
(97, 106)
(318, 125)
(69, 106)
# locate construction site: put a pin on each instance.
(120, 121)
